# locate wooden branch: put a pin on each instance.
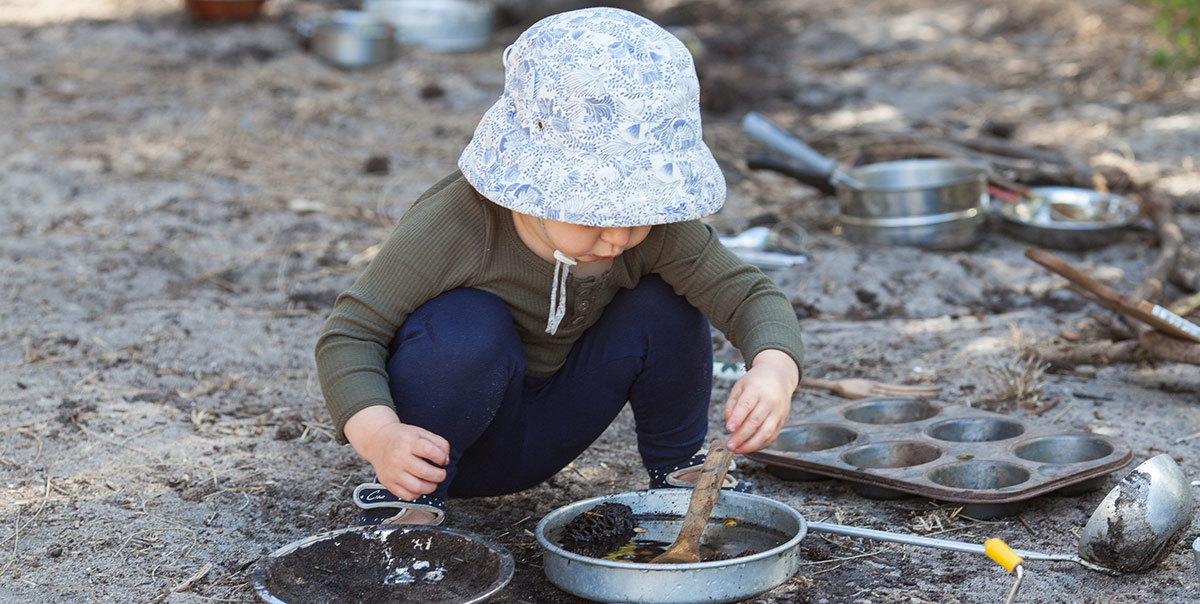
(1186, 279)
(1092, 353)
(1186, 305)
(1031, 168)
(1170, 239)
(1166, 348)
(1007, 148)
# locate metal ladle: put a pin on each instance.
(1129, 531)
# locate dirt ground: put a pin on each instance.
(180, 204)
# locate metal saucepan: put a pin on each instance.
(1131, 530)
(931, 203)
(351, 39)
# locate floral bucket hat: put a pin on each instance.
(598, 125)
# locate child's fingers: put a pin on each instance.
(736, 411)
(411, 480)
(432, 447)
(735, 393)
(404, 492)
(747, 431)
(762, 437)
(427, 472)
(414, 486)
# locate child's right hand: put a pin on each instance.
(406, 458)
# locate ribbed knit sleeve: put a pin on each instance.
(422, 258)
(739, 300)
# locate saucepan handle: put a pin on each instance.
(794, 169)
(807, 158)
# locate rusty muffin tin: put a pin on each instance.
(899, 447)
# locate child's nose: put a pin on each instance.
(617, 237)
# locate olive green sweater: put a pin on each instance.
(453, 237)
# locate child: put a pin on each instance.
(560, 273)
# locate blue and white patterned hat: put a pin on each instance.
(599, 125)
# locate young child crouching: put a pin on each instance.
(562, 272)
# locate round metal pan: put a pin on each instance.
(730, 580)
(390, 564)
(1068, 218)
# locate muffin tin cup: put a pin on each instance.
(888, 448)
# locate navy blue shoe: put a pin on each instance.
(668, 478)
(379, 506)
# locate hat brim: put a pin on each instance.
(620, 187)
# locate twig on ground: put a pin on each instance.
(1050, 404)
(110, 441)
(38, 454)
(1186, 305)
(1063, 412)
(882, 550)
(191, 581)
(1093, 353)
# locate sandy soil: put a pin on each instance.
(181, 203)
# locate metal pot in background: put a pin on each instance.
(352, 39)
(441, 25)
(929, 203)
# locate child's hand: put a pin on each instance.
(760, 401)
(406, 458)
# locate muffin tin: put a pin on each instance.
(898, 447)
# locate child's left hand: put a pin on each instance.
(760, 401)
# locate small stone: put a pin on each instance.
(432, 91)
(377, 164)
(291, 428)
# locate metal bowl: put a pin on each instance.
(385, 565)
(440, 25)
(353, 39)
(1068, 218)
(730, 580)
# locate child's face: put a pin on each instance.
(589, 244)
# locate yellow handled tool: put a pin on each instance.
(998, 550)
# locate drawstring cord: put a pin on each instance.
(558, 293)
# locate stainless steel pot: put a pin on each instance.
(441, 25)
(930, 203)
(717, 581)
(354, 39)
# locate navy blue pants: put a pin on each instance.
(458, 370)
